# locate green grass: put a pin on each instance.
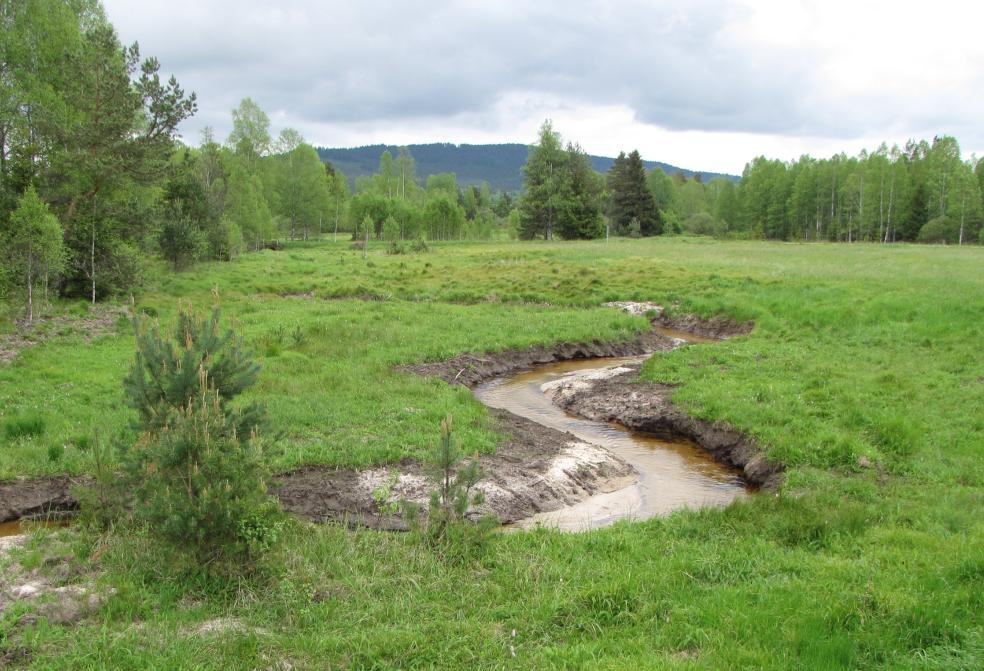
(859, 351)
(19, 426)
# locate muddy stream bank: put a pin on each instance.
(669, 473)
(585, 443)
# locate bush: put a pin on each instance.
(181, 242)
(165, 374)
(24, 425)
(703, 223)
(391, 230)
(102, 503)
(940, 229)
(447, 526)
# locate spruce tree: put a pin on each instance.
(630, 196)
(543, 177)
(561, 193)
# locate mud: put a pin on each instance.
(646, 407)
(470, 370)
(715, 328)
(39, 499)
(56, 591)
(537, 469)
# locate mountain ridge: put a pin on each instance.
(498, 164)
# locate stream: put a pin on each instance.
(672, 474)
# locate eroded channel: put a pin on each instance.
(672, 474)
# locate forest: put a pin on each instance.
(500, 165)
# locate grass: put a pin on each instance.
(864, 375)
(20, 426)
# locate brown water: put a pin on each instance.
(18, 527)
(672, 474)
(685, 336)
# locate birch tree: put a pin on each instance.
(33, 248)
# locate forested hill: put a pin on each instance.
(498, 164)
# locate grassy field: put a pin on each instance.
(864, 374)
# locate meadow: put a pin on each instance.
(864, 375)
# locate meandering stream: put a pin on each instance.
(672, 475)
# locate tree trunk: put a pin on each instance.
(92, 259)
(881, 207)
(963, 212)
(861, 231)
(30, 288)
(891, 198)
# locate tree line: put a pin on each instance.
(922, 192)
(94, 180)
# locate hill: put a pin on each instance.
(498, 164)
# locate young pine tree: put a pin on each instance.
(198, 475)
(165, 373)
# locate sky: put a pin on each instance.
(701, 84)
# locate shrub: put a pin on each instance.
(940, 229)
(197, 473)
(24, 425)
(702, 223)
(102, 503)
(391, 229)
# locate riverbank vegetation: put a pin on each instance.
(861, 375)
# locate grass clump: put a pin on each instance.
(24, 426)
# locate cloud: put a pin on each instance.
(791, 70)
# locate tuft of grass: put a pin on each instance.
(27, 425)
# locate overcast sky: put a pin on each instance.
(702, 84)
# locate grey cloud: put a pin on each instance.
(677, 65)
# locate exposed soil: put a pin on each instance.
(470, 370)
(39, 499)
(717, 328)
(57, 590)
(536, 469)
